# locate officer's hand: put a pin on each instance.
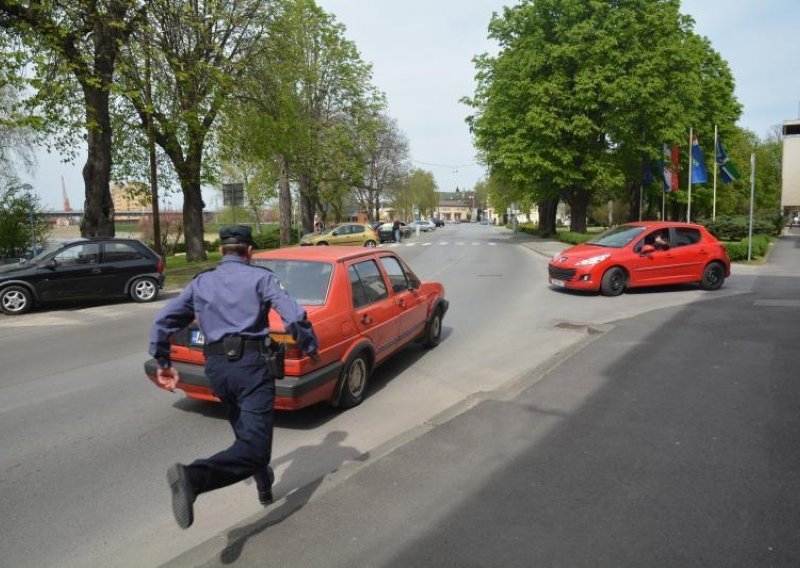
(168, 378)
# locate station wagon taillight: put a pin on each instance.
(160, 265)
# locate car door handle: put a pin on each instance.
(401, 302)
(96, 271)
(366, 320)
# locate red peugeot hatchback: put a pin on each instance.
(365, 305)
(642, 254)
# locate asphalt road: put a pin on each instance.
(87, 439)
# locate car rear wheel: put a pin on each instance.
(15, 300)
(144, 290)
(322, 244)
(713, 276)
(434, 333)
(370, 244)
(354, 381)
(613, 282)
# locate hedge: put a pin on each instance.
(738, 250)
(737, 227)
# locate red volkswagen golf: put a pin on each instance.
(365, 305)
(648, 253)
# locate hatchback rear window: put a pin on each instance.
(307, 281)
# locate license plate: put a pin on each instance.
(559, 283)
(197, 338)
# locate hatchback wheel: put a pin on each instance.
(144, 290)
(15, 300)
(322, 244)
(434, 333)
(354, 381)
(613, 282)
(713, 276)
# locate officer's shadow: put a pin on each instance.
(328, 456)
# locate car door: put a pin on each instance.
(656, 267)
(341, 235)
(689, 254)
(121, 262)
(413, 311)
(375, 311)
(357, 236)
(73, 272)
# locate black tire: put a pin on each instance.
(434, 332)
(613, 282)
(15, 300)
(144, 290)
(713, 276)
(355, 378)
(370, 244)
(322, 244)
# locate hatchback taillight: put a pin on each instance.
(160, 265)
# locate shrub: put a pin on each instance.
(736, 227)
(738, 250)
(574, 238)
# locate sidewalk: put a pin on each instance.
(605, 460)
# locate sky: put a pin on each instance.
(421, 53)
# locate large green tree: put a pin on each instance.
(197, 53)
(582, 90)
(78, 42)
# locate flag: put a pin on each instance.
(727, 170)
(647, 173)
(669, 168)
(699, 174)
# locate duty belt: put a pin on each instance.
(248, 345)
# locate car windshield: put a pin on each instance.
(49, 250)
(617, 237)
(386, 226)
(307, 281)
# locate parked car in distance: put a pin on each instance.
(386, 231)
(424, 226)
(438, 222)
(365, 305)
(642, 254)
(345, 234)
(82, 269)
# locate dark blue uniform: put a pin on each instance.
(233, 300)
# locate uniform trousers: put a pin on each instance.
(248, 390)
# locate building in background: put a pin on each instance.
(790, 177)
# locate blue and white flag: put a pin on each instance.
(699, 174)
(727, 170)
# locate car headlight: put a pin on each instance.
(592, 260)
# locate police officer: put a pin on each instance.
(230, 303)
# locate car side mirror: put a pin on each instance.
(647, 249)
(414, 284)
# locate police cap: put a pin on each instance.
(236, 235)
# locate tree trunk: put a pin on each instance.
(547, 216)
(307, 199)
(579, 202)
(284, 202)
(98, 209)
(193, 205)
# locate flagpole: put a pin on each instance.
(714, 203)
(663, 205)
(689, 207)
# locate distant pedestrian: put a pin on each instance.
(230, 303)
(396, 230)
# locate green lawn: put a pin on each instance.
(179, 272)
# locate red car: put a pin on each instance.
(642, 254)
(365, 305)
